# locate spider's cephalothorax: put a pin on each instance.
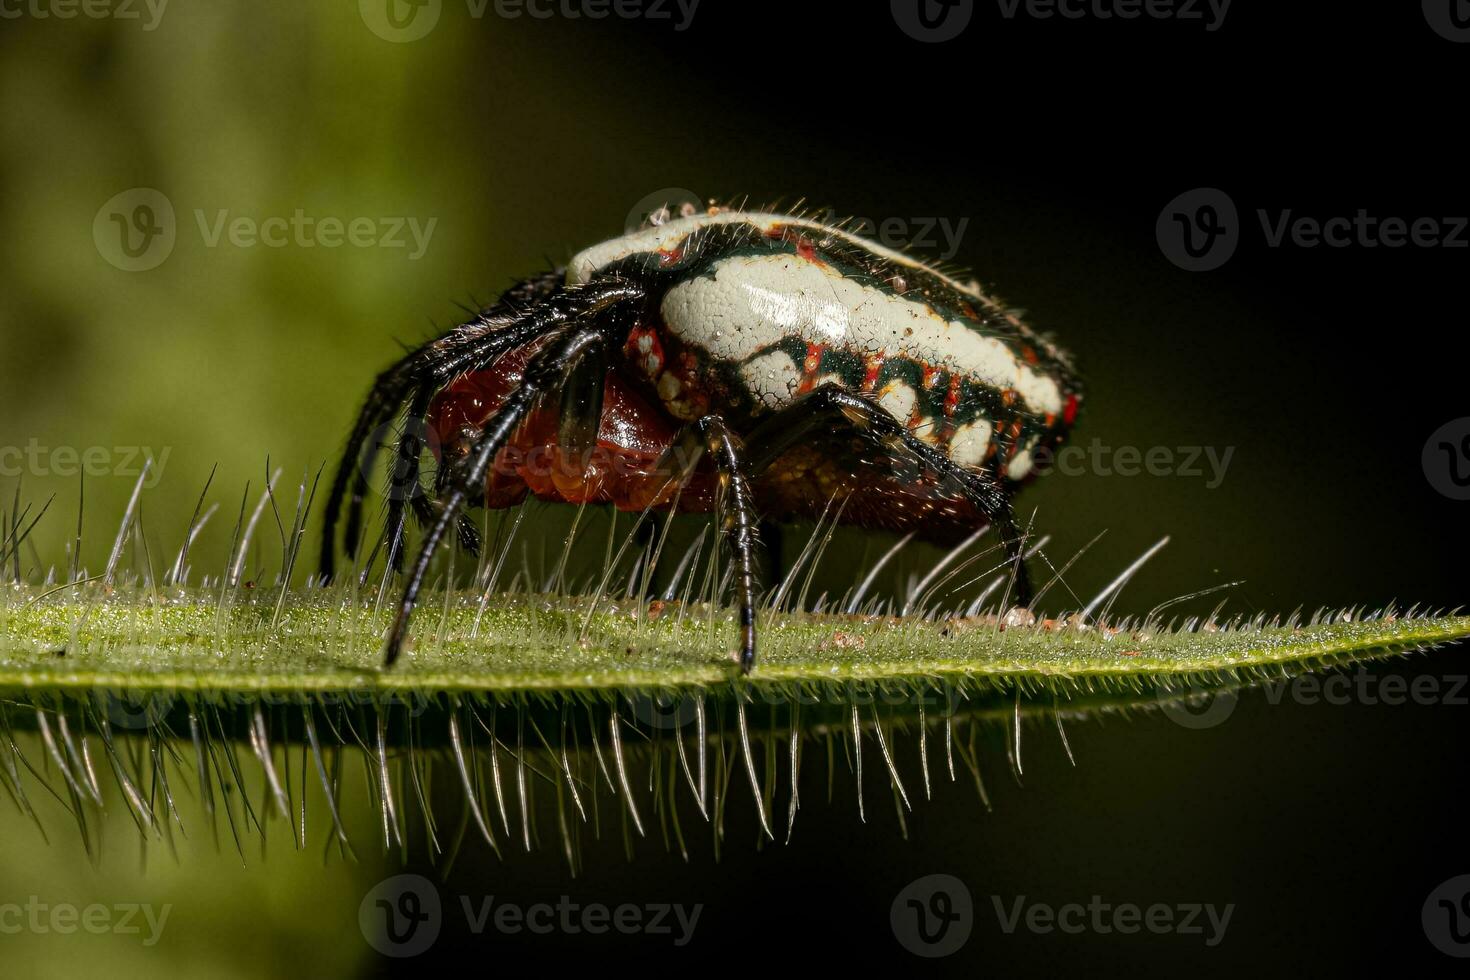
(766, 363)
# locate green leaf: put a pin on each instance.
(325, 640)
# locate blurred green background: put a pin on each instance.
(524, 139)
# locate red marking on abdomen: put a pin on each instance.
(1069, 413)
(649, 361)
(1013, 434)
(809, 368)
(952, 397)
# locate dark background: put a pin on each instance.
(1061, 141)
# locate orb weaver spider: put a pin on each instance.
(758, 362)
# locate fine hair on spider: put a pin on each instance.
(758, 365)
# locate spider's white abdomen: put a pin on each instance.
(762, 309)
(751, 303)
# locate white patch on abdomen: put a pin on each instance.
(772, 378)
(1022, 463)
(970, 441)
(899, 399)
(753, 302)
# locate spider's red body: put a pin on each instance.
(632, 437)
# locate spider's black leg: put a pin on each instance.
(577, 309)
(711, 435)
(403, 487)
(580, 412)
(831, 407)
(494, 327)
(476, 341)
(382, 402)
(739, 528)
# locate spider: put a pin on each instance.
(721, 359)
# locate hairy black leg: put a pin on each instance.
(392, 387)
(403, 486)
(579, 415)
(833, 407)
(426, 513)
(467, 349)
(578, 309)
(711, 435)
